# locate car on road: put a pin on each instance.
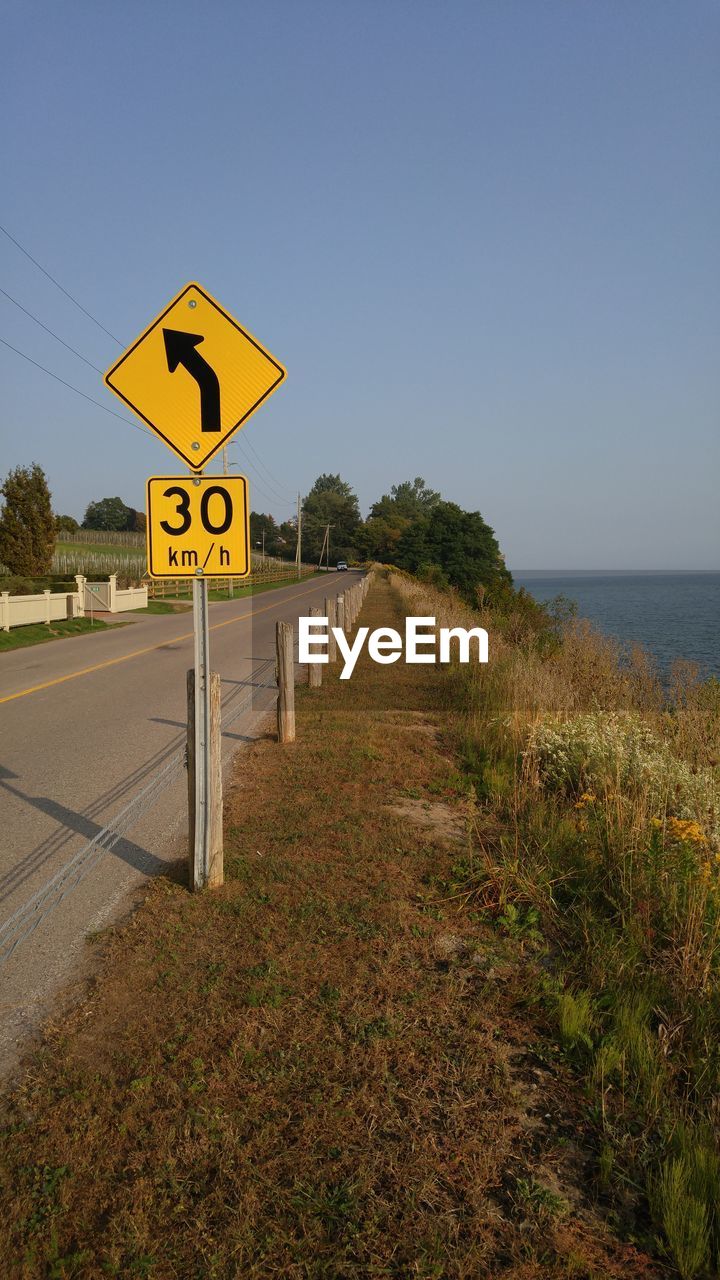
(342, 566)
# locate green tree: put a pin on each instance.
(331, 501)
(406, 501)
(27, 523)
(287, 539)
(107, 513)
(263, 528)
(66, 524)
(378, 538)
(136, 521)
(458, 543)
(391, 515)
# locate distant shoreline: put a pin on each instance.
(608, 573)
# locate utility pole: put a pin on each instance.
(325, 548)
(263, 551)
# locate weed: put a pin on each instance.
(520, 923)
(329, 995)
(334, 1204)
(540, 1200)
(683, 1216)
(606, 1164)
(376, 1028)
(45, 1183)
(576, 1018)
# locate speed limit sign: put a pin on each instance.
(198, 527)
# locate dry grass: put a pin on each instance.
(605, 785)
(323, 1069)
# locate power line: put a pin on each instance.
(56, 336)
(271, 498)
(267, 470)
(57, 284)
(278, 496)
(128, 421)
(275, 485)
(77, 391)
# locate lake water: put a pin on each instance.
(674, 615)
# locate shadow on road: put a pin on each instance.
(71, 823)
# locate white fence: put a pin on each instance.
(48, 606)
(20, 611)
(109, 597)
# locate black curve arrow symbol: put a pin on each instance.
(180, 348)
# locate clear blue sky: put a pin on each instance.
(482, 237)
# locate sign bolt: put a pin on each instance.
(199, 573)
(195, 445)
(192, 303)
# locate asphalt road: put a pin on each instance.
(85, 724)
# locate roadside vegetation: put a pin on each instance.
(41, 632)
(412, 527)
(307, 1073)
(598, 837)
(345, 1062)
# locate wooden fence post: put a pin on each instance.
(315, 668)
(214, 787)
(340, 613)
(286, 682)
(332, 622)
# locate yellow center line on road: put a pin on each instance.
(137, 653)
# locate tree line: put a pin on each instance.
(29, 528)
(411, 527)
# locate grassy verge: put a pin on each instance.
(41, 632)
(164, 606)
(606, 787)
(330, 1068)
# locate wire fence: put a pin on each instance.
(27, 917)
(92, 562)
(132, 563)
(279, 571)
(94, 537)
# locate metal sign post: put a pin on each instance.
(198, 527)
(201, 852)
(204, 754)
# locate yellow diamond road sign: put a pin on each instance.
(195, 376)
(198, 527)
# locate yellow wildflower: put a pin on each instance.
(686, 830)
(587, 797)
